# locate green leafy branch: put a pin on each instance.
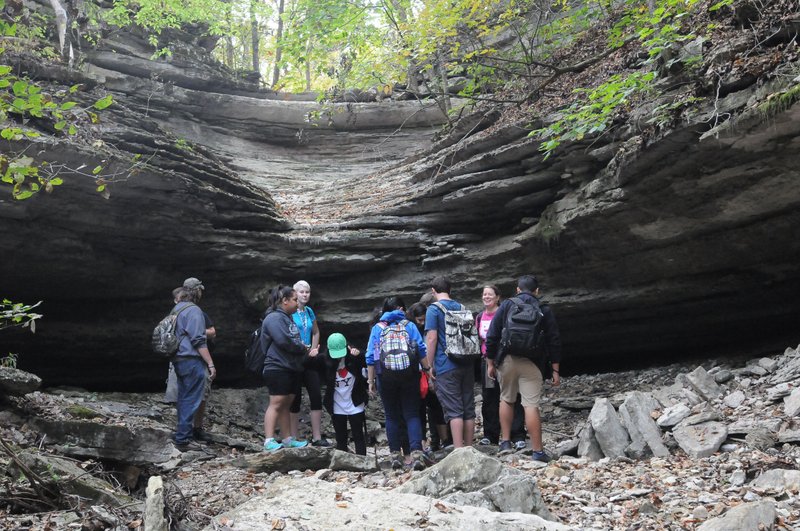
(594, 114)
(25, 100)
(17, 314)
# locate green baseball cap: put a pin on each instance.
(337, 345)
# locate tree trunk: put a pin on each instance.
(412, 70)
(445, 101)
(276, 70)
(254, 36)
(308, 65)
(61, 24)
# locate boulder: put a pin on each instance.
(588, 446)
(484, 480)
(16, 382)
(308, 458)
(636, 415)
(352, 462)
(673, 415)
(734, 399)
(745, 426)
(704, 383)
(142, 446)
(778, 480)
(755, 516)
(154, 505)
(608, 430)
(309, 503)
(791, 404)
(700, 440)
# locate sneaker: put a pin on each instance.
(485, 441)
(417, 460)
(291, 442)
(271, 445)
(540, 456)
(322, 443)
(397, 461)
(505, 448)
(520, 445)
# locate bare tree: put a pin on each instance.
(276, 69)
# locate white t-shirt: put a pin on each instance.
(343, 393)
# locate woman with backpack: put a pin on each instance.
(283, 366)
(346, 392)
(393, 358)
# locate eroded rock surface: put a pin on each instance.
(649, 242)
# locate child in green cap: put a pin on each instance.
(346, 392)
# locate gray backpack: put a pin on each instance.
(461, 335)
(165, 341)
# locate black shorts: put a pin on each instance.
(282, 383)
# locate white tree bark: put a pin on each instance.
(61, 23)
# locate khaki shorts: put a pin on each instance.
(520, 375)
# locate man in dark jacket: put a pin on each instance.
(520, 373)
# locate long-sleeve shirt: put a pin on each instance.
(280, 339)
(552, 338)
(190, 327)
(373, 347)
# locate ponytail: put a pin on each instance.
(276, 295)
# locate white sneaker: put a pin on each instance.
(520, 445)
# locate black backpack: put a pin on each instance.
(254, 355)
(524, 330)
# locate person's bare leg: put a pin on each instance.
(534, 424)
(277, 409)
(457, 431)
(294, 422)
(506, 418)
(469, 432)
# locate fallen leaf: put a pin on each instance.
(342, 504)
(134, 524)
(278, 524)
(442, 507)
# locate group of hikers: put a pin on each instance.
(422, 360)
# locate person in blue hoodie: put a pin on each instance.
(395, 354)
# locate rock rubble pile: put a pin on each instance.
(705, 447)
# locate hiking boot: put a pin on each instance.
(417, 460)
(322, 443)
(539, 455)
(520, 445)
(188, 446)
(485, 441)
(271, 445)
(291, 442)
(199, 434)
(505, 448)
(397, 461)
